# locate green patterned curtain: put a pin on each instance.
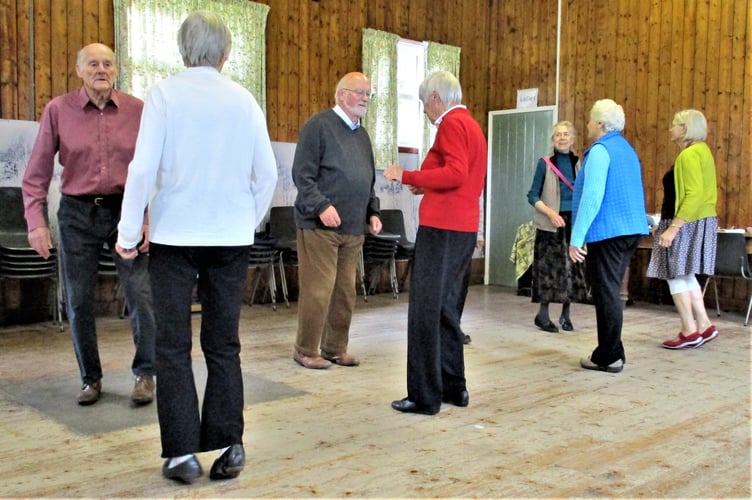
(439, 57)
(146, 42)
(380, 66)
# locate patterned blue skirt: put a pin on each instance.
(691, 252)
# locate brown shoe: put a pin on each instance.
(143, 390)
(342, 359)
(312, 362)
(90, 393)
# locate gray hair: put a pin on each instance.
(204, 40)
(695, 123)
(609, 113)
(443, 83)
(564, 123)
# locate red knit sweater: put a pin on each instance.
(453, 174)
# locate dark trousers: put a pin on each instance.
(221, 274)
(435, 352)
(606, 262)
(84, 228)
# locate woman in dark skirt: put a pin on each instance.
(686, 237)
(555, 278)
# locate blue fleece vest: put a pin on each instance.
(622, 211)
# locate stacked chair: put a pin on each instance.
(18, 261)
(378, 253)
(282, 228)
(393, 221)
(264, 256)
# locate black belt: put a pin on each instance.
(100, 200)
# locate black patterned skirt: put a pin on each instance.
(555, 278)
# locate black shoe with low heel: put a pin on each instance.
(547, 326)
(566, 324)
(185, 472)
(229, 464)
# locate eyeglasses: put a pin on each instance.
(361, 92)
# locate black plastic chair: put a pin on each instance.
(18, 260)
(378, 253)
(263, 257)
(393, 221)
(731, 261)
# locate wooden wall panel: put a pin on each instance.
(653, 56)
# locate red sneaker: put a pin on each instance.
(682, 342)
(709, 334)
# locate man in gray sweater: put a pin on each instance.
(333, 170)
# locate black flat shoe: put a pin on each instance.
(566, 324)
(546, 327)
(185, 472)
(229, 464)
(466, 339)
(461, 399)
(407, 406)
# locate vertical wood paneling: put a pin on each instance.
(75, 32)
(736, 98)
(647, 135)
(42, 56)
(9, 62)
(24, 48)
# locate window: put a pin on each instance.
(410, 72)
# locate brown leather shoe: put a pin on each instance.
(342, 359)
(143, 390)
(312, 362)
(90, 393)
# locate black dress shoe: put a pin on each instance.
(466, 339)
(461, 398)
(566, 324)
(407, 406)
(185, 472)
(229, 464)
(547, 326)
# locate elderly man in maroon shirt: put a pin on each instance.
(94, 131)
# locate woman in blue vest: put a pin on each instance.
(609, 216)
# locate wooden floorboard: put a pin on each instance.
(672, 424)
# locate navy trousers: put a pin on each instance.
(221, 274)
(435, 351)
(606, 262)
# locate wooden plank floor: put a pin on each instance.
(672, 424)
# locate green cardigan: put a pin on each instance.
(695, 183)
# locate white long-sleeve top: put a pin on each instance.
(203, 164)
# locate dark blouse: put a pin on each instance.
(669, 195)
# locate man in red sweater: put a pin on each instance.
(451, 181)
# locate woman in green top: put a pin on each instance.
(685, 240)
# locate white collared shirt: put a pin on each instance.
(341, 112)
(441, 117)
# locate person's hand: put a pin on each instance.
(479, 244)
(40, 241)
(144, 246)
(375, 225)
(330, 217)
(556, 219)
(126, 253)
(667, 237)
(415, 190)
(577, 254)
(393, 173)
